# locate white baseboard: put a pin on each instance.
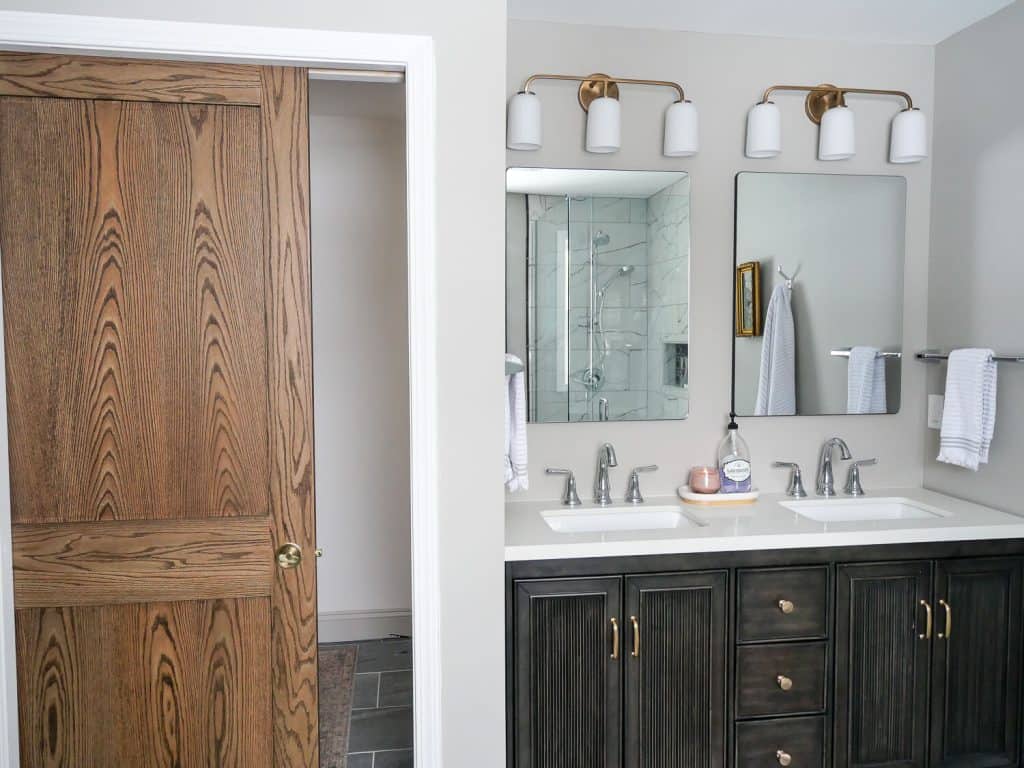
(343, 626)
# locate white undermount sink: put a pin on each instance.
(631, 518)
(840, 510)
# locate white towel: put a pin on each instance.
(776, 389)
(515, 428)
(865, 385)
(969, 413)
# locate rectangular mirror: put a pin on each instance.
(823, 336)
(598, 292)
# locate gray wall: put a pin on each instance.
(977, 260)
(843, 237)
(360, 370)
(725, 75)
(469, 43)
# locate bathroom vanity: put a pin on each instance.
(765, 635)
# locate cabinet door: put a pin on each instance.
(882, 664)
(568, 673)
(676, 670)
(976, 683)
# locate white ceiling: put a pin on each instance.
(924, 22)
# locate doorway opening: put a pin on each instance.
(361, 410)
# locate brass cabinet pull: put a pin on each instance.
(927, 635)
(636, 636)
(786, 606)
(783, 757)
(615, 638)
(949, 619)
(289, 555)
(785, 683)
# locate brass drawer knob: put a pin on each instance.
(785, 683)
(289, 555)
(786, 606)
(783, 757)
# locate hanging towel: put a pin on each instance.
(969, 414)
(515, 428)
(865, 386)
(776, 389)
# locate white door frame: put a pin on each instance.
(40, 32)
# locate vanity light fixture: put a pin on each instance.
(598, 96)
(825, 105)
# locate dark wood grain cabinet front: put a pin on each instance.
(781, 679)
(676, 670)
(902, 656)
(976, 669)
(568, 650)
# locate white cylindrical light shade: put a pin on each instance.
(604, 126)
(837, 139)
(909, 140)
(682, 137)
(764, 131)
(524, 123)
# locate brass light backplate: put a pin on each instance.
(818, 102)
(591, 89)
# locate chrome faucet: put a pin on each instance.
(826, 485)
(602, 486)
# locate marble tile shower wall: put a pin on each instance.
(607, 333)
(668, 269)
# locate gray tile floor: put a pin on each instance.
(380, 732)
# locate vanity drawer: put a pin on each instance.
(780, 679)
(782, 604)
(798, 742)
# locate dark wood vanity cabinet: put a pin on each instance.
(895, 656)
(578, 646)
(928, 647)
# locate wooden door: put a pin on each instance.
(882, 665)
(569, 646)
(676, 679)
(155, 254)
(976, 679)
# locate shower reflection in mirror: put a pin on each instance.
(598, 292)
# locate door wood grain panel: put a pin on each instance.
(155, 237)
(86, 77)
(136, 361)
(144, 561)
(285, 133)
(163, 684)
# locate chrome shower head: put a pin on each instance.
(620, 272)
(601, 238)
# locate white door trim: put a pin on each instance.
(138, 38)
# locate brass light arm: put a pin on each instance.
(821, 98)
(596, 85)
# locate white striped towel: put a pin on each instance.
(516, 478)
(865, 390)
(969, 414)
(776, 386)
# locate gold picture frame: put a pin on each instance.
(748, 299)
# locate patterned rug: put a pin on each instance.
(337, 677)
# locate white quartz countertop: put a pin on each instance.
(765, 524)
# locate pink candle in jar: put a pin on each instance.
(705, 480)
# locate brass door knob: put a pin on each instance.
(783, 757)
(289, 555)
(785, 683)
(786, 606)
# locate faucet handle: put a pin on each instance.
(633, 495)
(853, 486)
(796, 479)
(570, 497)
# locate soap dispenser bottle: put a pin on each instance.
(734, 461)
